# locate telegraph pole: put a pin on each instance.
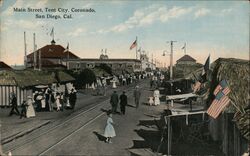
(171, 59)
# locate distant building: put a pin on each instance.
(4, 66)
(51, 56)
(185, 65)
(146, 64)
(186, 60)
(128, 65)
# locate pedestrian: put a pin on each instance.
(109, 131)
(72, 98)
(58, 104)
(104, 85)
(137, 95)
(156, 97)
(23, 109)
(123, 102)
(14, 105)
(48, 93)
(62, 101)
(38, 99)
(114, 101)
(30, 109)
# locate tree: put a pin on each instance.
(106, 68)
(87, 76)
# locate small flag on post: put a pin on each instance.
(67, 48)
(52, 32)
(218, 104)
(184, 46)
(206, 66)
(205, 69)
(134, 44)
(222, 87)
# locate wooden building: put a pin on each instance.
(23, 83)
(130, 65)
(51, 56)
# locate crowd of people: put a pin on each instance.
(44, 100)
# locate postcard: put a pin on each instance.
(123, 77)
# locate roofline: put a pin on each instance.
(102, 60)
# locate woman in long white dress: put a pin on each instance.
(109, 129)
(30, 109)
(157, 97)
(58, 104)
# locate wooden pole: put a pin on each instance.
(237, 107)
(169, 135)
(136, 47)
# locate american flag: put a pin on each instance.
(197, 86)
(134, 44)
(222, 87)
(218, 104)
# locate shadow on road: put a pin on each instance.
(99, 136)
(128, 105)
(105, 110)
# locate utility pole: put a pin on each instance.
(34, 53)
(171, 59)
(136, 41)
(25, 51)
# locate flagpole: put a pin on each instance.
(136, 47)
(237, 107)
(185, 48)
(53, 33)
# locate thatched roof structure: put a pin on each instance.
(28, 78)
(100, 72)
(63, 77)
(237, 74)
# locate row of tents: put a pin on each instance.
(24, 82)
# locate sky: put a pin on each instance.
(215, 28)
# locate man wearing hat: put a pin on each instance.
(23, 109)
(114, 102)
(14, 105)
(123, 102)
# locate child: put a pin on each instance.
(23, 109)
(109, 129)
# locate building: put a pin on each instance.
(24, 82)
(49, 56)
(186, 60)
(4, 66)
(122, 65)
(146, 64)
(185, 65)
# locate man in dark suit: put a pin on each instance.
(123, 102)
(13, 102)
(114, 101)
(72, 98)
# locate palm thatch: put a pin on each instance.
(26, 78)
(100, 72)
(242, 121)
(6, 79)
(63, 77)
(237, 74)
